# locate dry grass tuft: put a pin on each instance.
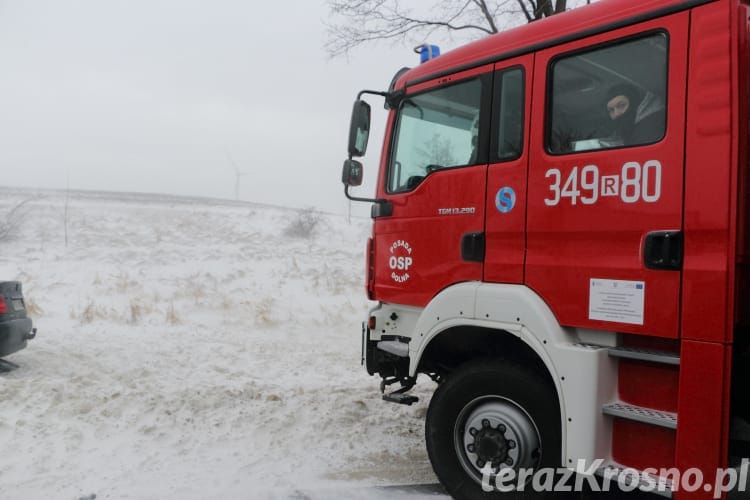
(303, 224)
(32, 308)
(172, 317)
(90, 313)
(264, 311)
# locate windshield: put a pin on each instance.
(435, 130)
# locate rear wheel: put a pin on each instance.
(490, 415)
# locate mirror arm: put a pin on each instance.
(373, 92)
(367, 200)
(381, 207)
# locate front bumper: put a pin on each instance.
(14, 335)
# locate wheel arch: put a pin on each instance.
(456, 345)
(473, 319)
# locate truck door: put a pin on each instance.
(507, 171)
(605, 197)
(435, 180)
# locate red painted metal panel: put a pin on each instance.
(703, 418)
(430, 240)
(506, 225)
(642, 446)
(708, 177)
(569, 244)
(648, 384)
(505, 232)
(742, 273)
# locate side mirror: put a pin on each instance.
(352, 173)
(359, 128)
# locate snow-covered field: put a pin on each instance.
(193, 348)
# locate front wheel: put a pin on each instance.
(487, 416)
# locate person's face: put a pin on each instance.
(617, 106)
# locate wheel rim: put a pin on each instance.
(496, 432)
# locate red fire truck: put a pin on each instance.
(560, 241)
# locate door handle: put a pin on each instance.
(472, 247)
(662, 250)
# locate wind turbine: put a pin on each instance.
(237, 176)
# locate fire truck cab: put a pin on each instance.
(560, 240)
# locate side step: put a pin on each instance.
(667, 358)
(624, 476)
(400, 398)
(639, 414)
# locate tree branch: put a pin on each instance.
(485, 11)
(525, 10)
(543, 9)
(355, 22)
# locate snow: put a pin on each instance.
(194, 348)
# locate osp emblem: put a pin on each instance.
(400, 261)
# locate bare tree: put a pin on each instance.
(357, 22)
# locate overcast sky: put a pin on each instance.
(165, 95)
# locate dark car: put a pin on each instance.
(15, 327)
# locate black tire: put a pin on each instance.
(501, 391)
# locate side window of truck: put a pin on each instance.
(436, 129)
(608, 97)
(509, 98)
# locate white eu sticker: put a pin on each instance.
(617, 301)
